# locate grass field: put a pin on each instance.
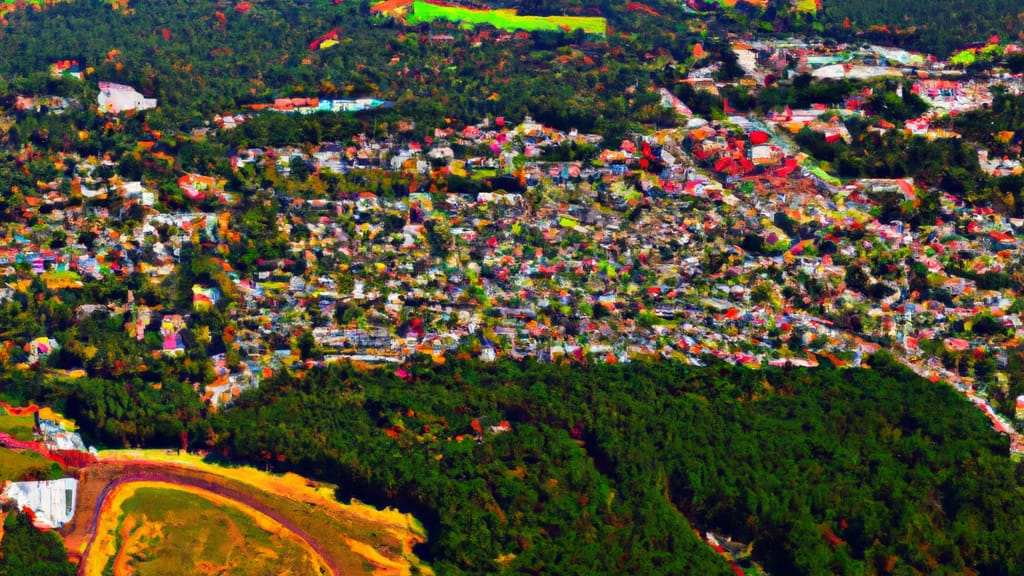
(506, 19)
(806, 6)
(25, 465)
(351, 538)
(18, 426)
(166, 530)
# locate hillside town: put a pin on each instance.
(462, 287)
(721, 238)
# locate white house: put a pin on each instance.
(118, 98)
(51, 501)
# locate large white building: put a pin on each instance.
(116, 98)
(51, 501)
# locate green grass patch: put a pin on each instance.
(506, 19)
(19, 466)
(964, 58)
(175, 532)
(810, 6)
(18, 426)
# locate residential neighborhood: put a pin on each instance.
(462, 287)
(721, 238)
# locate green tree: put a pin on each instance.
(25, 551)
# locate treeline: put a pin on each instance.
(606, 469)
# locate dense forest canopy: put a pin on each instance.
(541, 468)
(572, 469)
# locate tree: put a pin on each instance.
(25, 551)
(298, 168)
(307, 346)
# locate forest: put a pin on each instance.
(539, 468)
(535, 468)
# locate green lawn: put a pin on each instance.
(806, 6)
(505, 19)
(18, 466)
(18, 426)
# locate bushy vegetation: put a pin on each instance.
(215, 59)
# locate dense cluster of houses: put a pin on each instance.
(607, 261)
(314, 105)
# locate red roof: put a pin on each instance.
(758, 137)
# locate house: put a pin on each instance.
(40, 348)
(66, 69)
(204, 297)
(670, 100)
(50, 502)
(198, 187)
(117, 98)
(170, 329)
(55, 435)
